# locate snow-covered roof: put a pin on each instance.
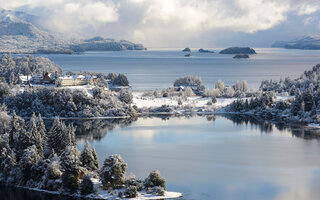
(25, 78)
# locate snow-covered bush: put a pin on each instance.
(86, 186)
(125, 96)
(131, 192)
(190, 81)
(112, 174)
(154, 180)
(132, 181)
(120, 80)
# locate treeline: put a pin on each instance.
(33, 157)
(51, 102)
(12, 67)
(304, 106)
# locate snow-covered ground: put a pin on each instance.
(195, 101)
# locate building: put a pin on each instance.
(75, 80)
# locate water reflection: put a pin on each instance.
(209, 157)
(11, 193)
(98, 129)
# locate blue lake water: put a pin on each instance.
(217, 158)
(204, 157)
(157, 69)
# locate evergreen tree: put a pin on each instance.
(71, 165)
(60, 137)
(87, 158)
(308, 99)
(86, 186)
(154, 180)
(41, 129)
(35, 135)
(29, 158)
(112, 174)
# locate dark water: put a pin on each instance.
(157, 69)
(208, 157)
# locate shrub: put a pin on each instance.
(113, 172)
(131, 192)
(86, 186)
(190, 81)
(154, 180)
(125, 96)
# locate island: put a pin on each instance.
(205, 51)
(239, 56)
(238, 50)
(187, 49)
(311, 42)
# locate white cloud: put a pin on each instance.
(163, 22)
(307, 9)
(182, 19)
(69, 16)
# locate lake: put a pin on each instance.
(158, 68)
(209, 157)
(204, 157)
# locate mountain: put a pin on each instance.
(304, 42)
(20, 33)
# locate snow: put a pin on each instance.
(313, 125)
(195, 101)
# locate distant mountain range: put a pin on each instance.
(304, 42)
(20, 33)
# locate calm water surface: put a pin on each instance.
(157, 69)
(206, 158)
(218, 158)
(203, 157)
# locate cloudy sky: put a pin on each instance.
(178, 23)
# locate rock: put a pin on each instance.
(205, 51)
(238, 50)
(238, 56)
(187, 55)
(186, 49)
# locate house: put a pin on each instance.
(24, 79)
(75, 80)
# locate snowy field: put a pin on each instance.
(195, 101)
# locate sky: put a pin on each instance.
(178, 23)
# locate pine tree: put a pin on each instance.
(71, 165)
(87, 159)
(308, 99)
(41, 129)
(35, 136)
(30, 157)
(313, 112)
(112, 174)
(59, 137)
(86, 186)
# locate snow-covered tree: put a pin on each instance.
(112, 174)
(59, 137)
(88, 160)
(154, 180)
(71, 165)
(35, 136)
(86, 186)
(30, 157)
(220, 85)
(125, 96)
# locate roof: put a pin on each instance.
(24, 78)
